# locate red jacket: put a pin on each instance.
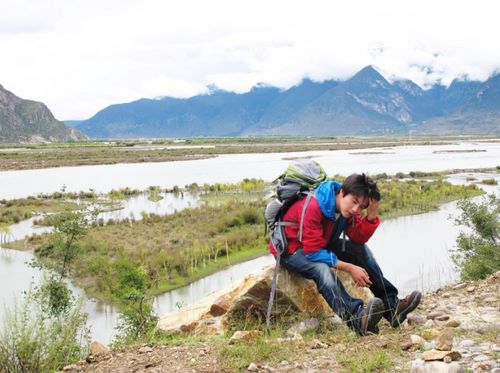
(318, 228)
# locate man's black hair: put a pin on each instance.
(361, 186)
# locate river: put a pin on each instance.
(413, 251)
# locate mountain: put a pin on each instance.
(366, 104)
(29, 121)
(470, 108)
(217, 114)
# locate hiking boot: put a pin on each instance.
(404, 307)
(372, 314)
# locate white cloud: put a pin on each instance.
(80, 56)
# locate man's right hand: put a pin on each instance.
(359, 276)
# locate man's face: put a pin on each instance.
(350, 205)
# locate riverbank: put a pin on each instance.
(462, 317)
(19, 157)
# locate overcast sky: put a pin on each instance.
(79, 56)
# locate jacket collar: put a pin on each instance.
(325, 194)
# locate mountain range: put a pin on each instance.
(26, 121)
(366, 104)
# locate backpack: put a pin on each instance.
(298, 181)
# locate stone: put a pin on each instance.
(488, 328)
(440, 355)
(296, 338)
(317, 344)
(97, 348)
(442, 318)
(145, 349)
(244, 335)
(408, 343)
(303, 326)
(444, 341)
(460, 286)
(419, 366)
(417, 340)
(453, 323)
(471, 289)
(416, 320)
(429, 324)
(73, 368)
(253, 367)
(434, 314)
(466, 343)
(490, 300)
(481, 358)
(220, 306)
(335, 320)
(294, 293)
(429, 334)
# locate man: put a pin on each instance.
(335, 209)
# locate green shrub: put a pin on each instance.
(478, 249)
(38, 338)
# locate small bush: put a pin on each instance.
(478, 250)
(35, 337)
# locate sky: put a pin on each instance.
(79, 56)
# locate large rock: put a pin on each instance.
(294, 293)
(420, 366)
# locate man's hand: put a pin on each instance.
(371, 211)
(360, 276)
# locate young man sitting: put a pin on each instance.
(337, 208)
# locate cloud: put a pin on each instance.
(81, 56)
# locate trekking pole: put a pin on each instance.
(273, 291)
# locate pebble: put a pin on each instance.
(429, 334)
(481, 358)
(470, 289)
(466, 343)
(488, 328)
(490, 300)
(460, 286)
(442, 318)
(419, 366)
(253, 367)
(429, 324)
(453, 323)
(416, 320)
(284, 362)
(433, 315)
(145, 349)
(444, 341)
(303, 326)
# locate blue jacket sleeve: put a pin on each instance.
(322, 256)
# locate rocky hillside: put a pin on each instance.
(365, 104)
(455, 329)
(26, 121)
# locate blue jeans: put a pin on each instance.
(331, 288)
(361, 255)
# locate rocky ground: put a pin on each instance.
(455, 329)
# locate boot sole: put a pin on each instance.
(401, 317)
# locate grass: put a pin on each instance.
(13, 211)
(366, 361)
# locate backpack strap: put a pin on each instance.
(302, 215)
